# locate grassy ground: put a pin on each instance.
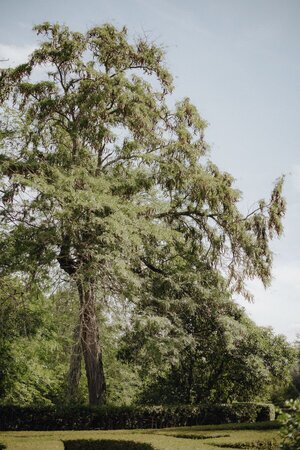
(192, 438)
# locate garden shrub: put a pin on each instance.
(290, 420)
(109, 418)
(105, 444)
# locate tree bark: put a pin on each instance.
(74, 374)
(90, 342)
(190, 380)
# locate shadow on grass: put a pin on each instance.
(105, 445)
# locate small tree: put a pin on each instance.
(100, 177)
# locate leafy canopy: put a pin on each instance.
(101, 176)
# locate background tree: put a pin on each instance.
(34, 340)
(101, 178)
(296, 372)
(281, 394)
(290, 421)
(219, 354)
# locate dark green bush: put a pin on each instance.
(110, 418)
(290, 420)
(105, 445)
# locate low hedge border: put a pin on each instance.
(112, 418)
(105, 444)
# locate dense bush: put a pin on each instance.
(80, 418)
(105, 445)
(290, 420)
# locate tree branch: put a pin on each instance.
(153, 268)
(66, 262)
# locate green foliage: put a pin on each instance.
(280, 394)
(129, 417)
(214, 353)
(290, 419)
(270, 425)
(123, 380)
(104, 180)
(103, 183)
(34, 344)
(105, 445)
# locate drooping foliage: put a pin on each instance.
(102, 181)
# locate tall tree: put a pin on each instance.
(101, 178)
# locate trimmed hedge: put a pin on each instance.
(105, 445)
(112, 418)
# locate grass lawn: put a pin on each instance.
(215, 437)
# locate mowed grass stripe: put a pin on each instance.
(190, 438)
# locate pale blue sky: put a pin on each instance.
(239, 62)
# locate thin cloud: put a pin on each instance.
(182, 18)
(279, 305)
(296, 177)
(14, 55)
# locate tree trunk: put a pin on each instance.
(190, 380)
(74, 374)
(90, 342)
